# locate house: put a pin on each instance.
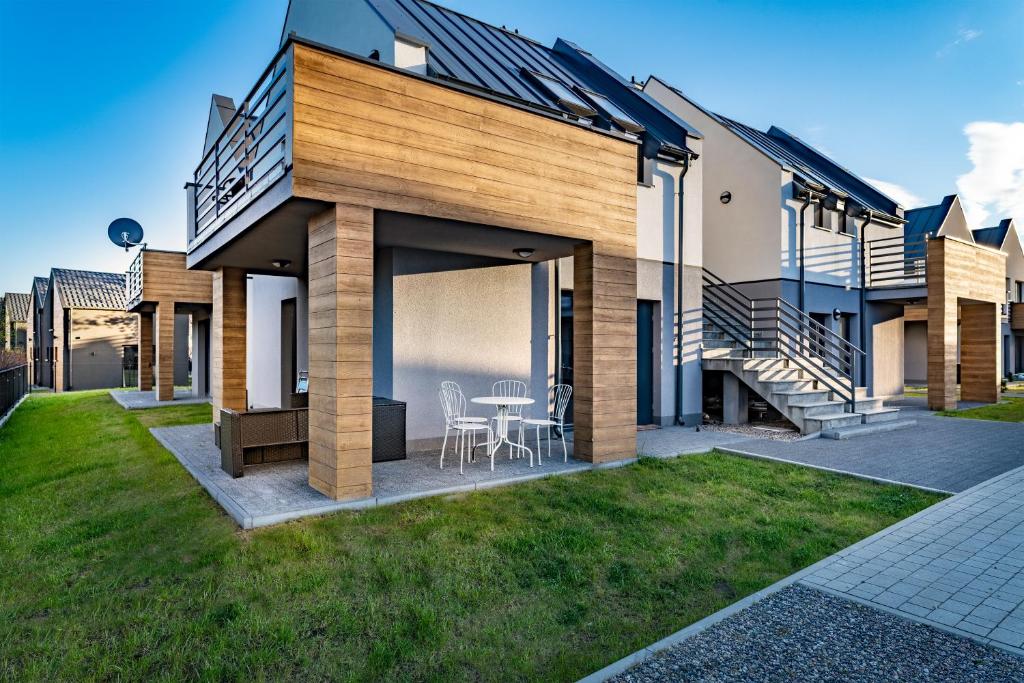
(817, 238)
(415, 196)
(1006, 238)
(36, 307)
(174, 307)
(85, 336)
(13, 318)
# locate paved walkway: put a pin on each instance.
(944, 453)
(140, 400)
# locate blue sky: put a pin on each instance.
(103, 104)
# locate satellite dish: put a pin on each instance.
(125, 232)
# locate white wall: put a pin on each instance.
(263, 336)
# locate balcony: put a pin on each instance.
(248, 156)
(133, 283)
(896, 262)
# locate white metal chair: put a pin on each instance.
(559, 401)
(453, 403)
(454, 386)
(511, 388)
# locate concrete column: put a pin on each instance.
(227, 341)
(604, 350)
(164, 332)
(145, 351)
(980, 352)
(734, 400)
(341, 352)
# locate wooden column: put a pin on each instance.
(942, 348)
(227, 342)
(145, 351)
(164, 333)
(341, 352)
(604, 350)
(980, 351)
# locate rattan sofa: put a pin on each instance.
(262, 436)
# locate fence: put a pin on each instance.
(13, 385)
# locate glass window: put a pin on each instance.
(563, 95)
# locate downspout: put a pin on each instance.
(679, 297)
(803, 260)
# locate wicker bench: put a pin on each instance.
(262, 436)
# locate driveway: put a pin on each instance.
(944, 453)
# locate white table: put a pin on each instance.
(503, 403)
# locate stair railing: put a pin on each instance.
(824, 355)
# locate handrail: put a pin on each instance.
(896, 261)
(133, 282)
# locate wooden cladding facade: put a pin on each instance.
(967, 278)
(166, 278)
(227, 341)
(366, 138)
(1017, 317)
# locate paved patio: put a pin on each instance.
(942, 453)
(279, 492)
(140, 400)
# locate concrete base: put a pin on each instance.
(141, 400)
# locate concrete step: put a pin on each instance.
(880, 415)
(854, 431)
(777, 385)
(806, 410)
(864, 405)
(797, 398)
(820, 423)
(777, 373)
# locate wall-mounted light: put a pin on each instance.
(280, 263)
(836, 314)
(725, 197)
(523, 252)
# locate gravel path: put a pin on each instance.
(801, 634)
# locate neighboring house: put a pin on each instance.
(36, 352)
(86, 335)
(13, 320)
(1006, 238)
(782, 219)
(441, 199)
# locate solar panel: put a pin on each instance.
(563, 95)
(612, 111)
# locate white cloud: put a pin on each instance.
(905, 197)
(964, 35)
(994, 188)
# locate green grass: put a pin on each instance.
(1007, 410)
(114, 564)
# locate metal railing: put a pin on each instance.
(252, 151)
(896, 261)
(133, 282)
(774, 325)
(13, 385)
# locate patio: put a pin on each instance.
(275, 493)
(140, 400)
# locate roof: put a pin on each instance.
(927, 219)
(89, 289)
(40, 285)
(789, 150)
(16, 305)
(994, 236)
(502, 63)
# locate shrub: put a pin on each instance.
(11, 359)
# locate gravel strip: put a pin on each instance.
(801, 634)
(767, 432)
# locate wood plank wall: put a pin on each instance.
(980, 352)
(962, 275)
(341, 351)
(365, 136)
(227, 341)
(163, 330)
(145, 351)
(165, 278)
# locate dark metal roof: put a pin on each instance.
(89, 289)
(927, 219)
(41, 285)
(497, 61)
(994, 236)
(789, 150)
(16, 305)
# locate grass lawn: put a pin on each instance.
(114, 563)
(1007, 410)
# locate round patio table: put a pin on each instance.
(503, 403)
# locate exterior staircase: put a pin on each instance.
(801, 368)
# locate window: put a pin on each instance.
(1020, 292)
(613, 112)
(562, 95)
(819, 215)
(847, 226)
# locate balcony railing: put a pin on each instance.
(252, 151)
(133, 282)
(896, 261)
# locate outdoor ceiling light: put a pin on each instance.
(725, 197)
(523, 252)
(280, 263)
